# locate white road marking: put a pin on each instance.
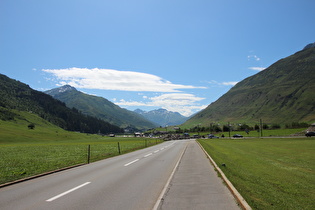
(127, 164)
(69, 191)
(148, 155)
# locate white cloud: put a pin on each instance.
(177, 102)
(108, 79)
(183, 103)
(232, 83)
(229, 83)
(255, 57)
(175, 98)
(257, 68)
(122, 102)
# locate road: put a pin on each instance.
(130, 181)
(171, 175)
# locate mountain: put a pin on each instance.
(162, 117)
(282, 93)
(100, 107)
(16, 96)
(309, 46)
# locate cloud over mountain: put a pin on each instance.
(109, 79)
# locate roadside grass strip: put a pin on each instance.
(268, 173)
(20, 160)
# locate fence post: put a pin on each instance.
(261, 128)
(89, 154)
(118, 148)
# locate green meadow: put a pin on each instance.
(26, 152)
(271, 173)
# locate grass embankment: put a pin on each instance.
(25, 152)
(269, 173)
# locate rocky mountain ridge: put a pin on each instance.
(163, 117)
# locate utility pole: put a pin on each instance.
(229, 130)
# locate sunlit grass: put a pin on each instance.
(269, 173)
(25, 152)
(19, 161)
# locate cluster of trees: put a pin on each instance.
(215, 128)
(16, 95)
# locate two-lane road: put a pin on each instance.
(130, 181)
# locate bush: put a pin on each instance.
(275, 126)
(297, 125)
(31, 126)
(226, 128)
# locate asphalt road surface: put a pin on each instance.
(132, 181)
(196, 185)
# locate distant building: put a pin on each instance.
(138, 134)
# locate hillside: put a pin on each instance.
(282, 93)
(19, 96)
(162, 117)
(100, 107)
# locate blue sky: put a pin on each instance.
(180, 55)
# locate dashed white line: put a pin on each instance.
(127, 164)
(67, 192)
(148, 155)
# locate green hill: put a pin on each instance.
(17, 96)
(282, 93)
(100, 107)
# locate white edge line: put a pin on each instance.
(69, 191)
(168, 182)
(127, 164)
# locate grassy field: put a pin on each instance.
(269, 173)
(23, 160)
(255, 134)
(25, 152)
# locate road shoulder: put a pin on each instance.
(196, 185)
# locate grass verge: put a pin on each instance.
(269, 173)
(26, 152)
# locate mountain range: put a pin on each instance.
(282, 93)
(17, 97)
(101, 108)
(162, 117)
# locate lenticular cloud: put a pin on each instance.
(108, 79)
